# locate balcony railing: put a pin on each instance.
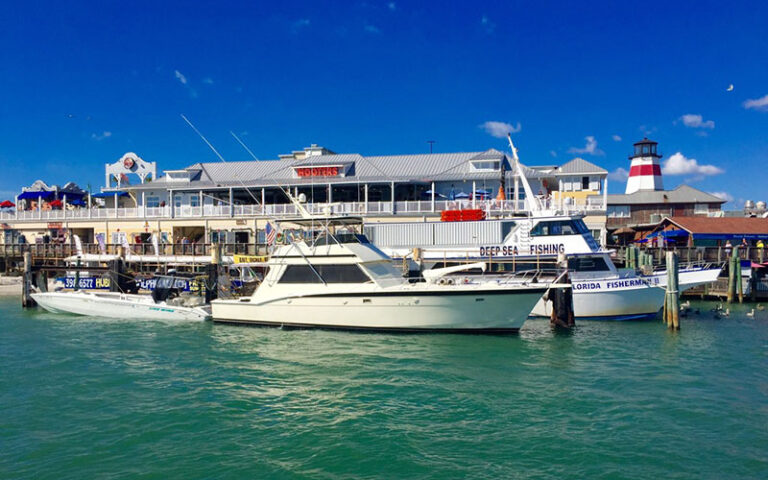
(410, 207)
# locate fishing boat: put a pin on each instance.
(164, 303)
(533, 243)
(341, 280)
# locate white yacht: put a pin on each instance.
(341, 280)
(162, 304)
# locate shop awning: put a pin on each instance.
(668, 234)
(109, 194)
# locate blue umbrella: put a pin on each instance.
(460, 195)
(438, 195)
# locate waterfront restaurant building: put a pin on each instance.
(236, 199)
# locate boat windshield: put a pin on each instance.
(341, 237)
(588, 264)
(546, 228)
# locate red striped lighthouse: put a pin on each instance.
(645, 172)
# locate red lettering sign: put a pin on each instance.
(317, 171)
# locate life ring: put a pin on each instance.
(280, 237)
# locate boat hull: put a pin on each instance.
(477, 311)
(686, 278)
(610, 300)
(116, 305)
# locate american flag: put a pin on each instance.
(271, 233)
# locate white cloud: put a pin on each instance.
(391, 6)
(180, 76)
(299, 25)
(757, 104)
(694, 120)
(619, 175)
(724, 195)
(500, 129)
(208, 81)
(616, 138)
(679, 164)
(487, 24)
(553, 153)
(372, 29)
(590, 148)
(101, 136)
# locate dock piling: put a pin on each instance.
(739, 283)
(672, 297)
(733, 266)
(26, 289)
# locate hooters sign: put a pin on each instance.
(317, 171)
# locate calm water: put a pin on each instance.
(95, 398)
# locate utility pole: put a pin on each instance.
(430, 142)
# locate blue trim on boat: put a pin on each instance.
(613, 318)
(621, 318)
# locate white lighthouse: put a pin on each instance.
(645, 171)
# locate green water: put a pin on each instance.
(84, 398)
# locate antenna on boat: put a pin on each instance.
(532, 203)
(243, 145)
(204, 139)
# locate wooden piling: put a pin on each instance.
(739, 283)
(212, 277)
(672, 298)
(733, 263)
(77, 274)
(26, 288)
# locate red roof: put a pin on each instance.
(727, 225)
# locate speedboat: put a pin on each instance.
(341, 280)
(163, 304)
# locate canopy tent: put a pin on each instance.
(36, 195)
(109, 194)
(78, 202)
(50, 194)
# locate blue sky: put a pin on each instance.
(84, 82)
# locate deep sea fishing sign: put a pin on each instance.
(513, 250)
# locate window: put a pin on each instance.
(587, 264)
(507, 227)
(194, 201)
(329, 273)
(563, 227)
(153, 202)
(618, 211)
(701, 208)
(486, 165)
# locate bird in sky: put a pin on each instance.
(730, 88)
